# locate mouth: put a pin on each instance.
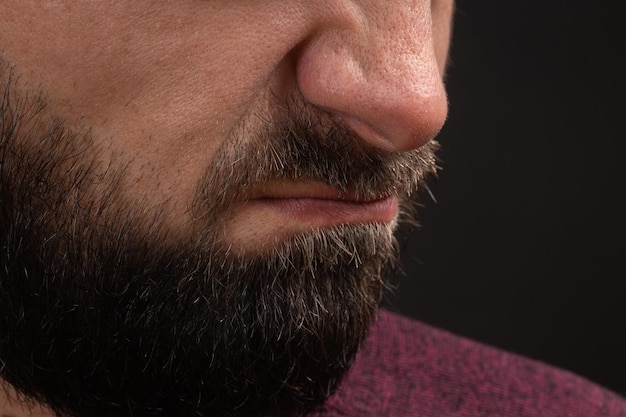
(318, 205)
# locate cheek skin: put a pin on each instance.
(159, 84)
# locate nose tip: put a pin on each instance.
(399, 123)
(391, 98)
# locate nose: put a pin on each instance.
(376, 68)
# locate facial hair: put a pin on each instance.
(106, 311)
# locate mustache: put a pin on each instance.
(304, 144)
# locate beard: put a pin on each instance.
(105, 310)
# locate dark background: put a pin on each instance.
(524, 248)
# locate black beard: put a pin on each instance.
(106, 312)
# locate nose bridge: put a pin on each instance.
(374, 66)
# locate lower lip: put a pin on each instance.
(318, 212)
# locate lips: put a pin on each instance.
(319, 205)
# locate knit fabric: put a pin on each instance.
(407, 368)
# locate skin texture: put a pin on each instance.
(158, 88)
(164, 83)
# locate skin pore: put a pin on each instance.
(199, 197)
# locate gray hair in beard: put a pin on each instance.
(102, 316)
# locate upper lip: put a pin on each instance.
(313, 190)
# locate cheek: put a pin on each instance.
(137, 60)
(158, 85)
(145, 80)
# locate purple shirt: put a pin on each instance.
(407, 368)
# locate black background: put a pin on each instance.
(524, 248)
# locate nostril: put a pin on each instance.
(367, 132)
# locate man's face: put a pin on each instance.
(199, 197)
